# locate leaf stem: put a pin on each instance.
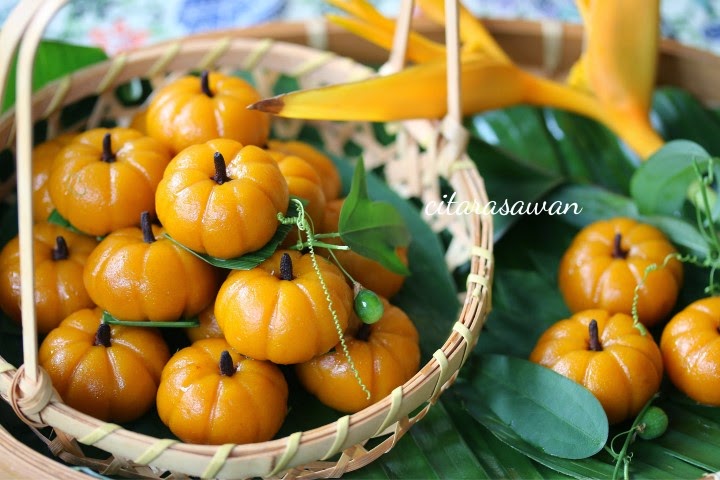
(111, 320)
(330, 246)
(622, 456)
(327, 235)
(304, 226)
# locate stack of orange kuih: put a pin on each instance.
(209, 290)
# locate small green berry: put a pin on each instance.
(653, 423)
(368, 306)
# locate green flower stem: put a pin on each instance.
(329, 246)
(623, 457)
(304, 226)
(326, 235)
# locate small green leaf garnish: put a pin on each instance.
(547, 410)
(188, 323)
(252, 259)
(370, 228)
(661, 184)
(57, 219)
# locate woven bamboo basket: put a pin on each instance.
(423, 151)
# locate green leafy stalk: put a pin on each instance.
(303, 224)
(622, 458)
(111, 320)
(372, 229)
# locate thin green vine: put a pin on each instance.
(623, 457)
(703, 215)
(304, 225)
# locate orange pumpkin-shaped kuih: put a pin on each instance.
(222, 198)
(210, 394)
(303, 182)
(369, 273)
(607, 260)
(608, 355)
(690, 346)
(207, 326)
(107, 371)
(192, 110)
(385, 353)
(324, 166)
(138, 274)
(278, 311)
(105, 178)
(139, 121)
(43, 157)
(59, 257)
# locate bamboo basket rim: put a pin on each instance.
(390, 416)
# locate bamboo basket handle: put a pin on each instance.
(11, 34)
(24, 141)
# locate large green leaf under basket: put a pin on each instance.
(410, 166)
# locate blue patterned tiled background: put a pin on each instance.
(118, 25)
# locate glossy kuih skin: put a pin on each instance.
(369, 273)
(386, 358)
(98, 193)
(324, 166)
(43, 157)
(59, 288)
(284, 321)
(303, 182)
(624, 374)
(202, 405)
(182, 113)
(207, 326)
(115, 383)
(594, 273)
(159, 281)
(690, 346)
(224, 218)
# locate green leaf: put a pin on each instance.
(597, 203)
(434, 315)
(546, 409)
(52, 61)
(187, 323)
(61, 221)
(589, 152)
(521, 131)
(679, 115)
(371, 228)
(497, 459)
(583, 469)
(681, 233)
(509, 179)
(249, 260)
(444, 447)
(520, 315)
(660, 185)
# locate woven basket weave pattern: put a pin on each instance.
(412, 169)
